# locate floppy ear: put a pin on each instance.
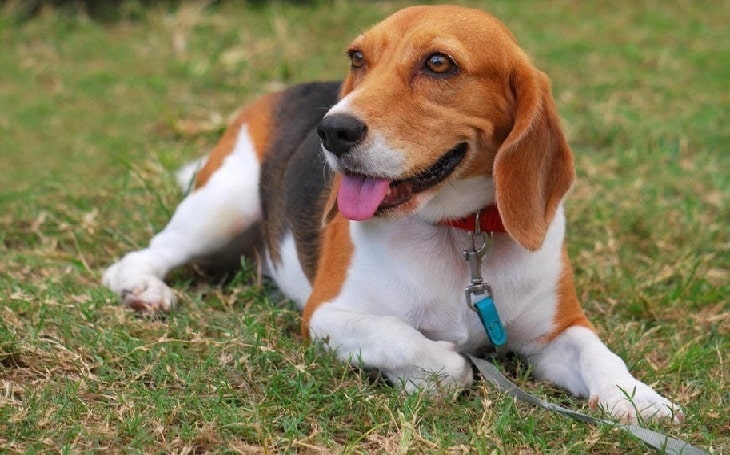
(533, 168)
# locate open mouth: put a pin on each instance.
(361, 197)
(400, 191)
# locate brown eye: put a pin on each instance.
(440, 64)
(357, 59)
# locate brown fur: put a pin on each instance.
(535, 156)
(258, 119)
(569, 312)
(334, 261)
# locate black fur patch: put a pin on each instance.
(294, 175)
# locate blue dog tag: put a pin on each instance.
(490, 320)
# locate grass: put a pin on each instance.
(96, 114)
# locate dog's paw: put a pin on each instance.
(440, 369)
(134, 280)
(149, 296)
(630, 402)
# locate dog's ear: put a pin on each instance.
(533, 168)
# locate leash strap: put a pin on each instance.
(663, 443)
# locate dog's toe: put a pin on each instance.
(135, 280)
(635, 402)
(151, 296)
(441, 369)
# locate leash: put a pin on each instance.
(663, 443)
(478, 293)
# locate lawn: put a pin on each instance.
(97, 110)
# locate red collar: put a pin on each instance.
(489, 221)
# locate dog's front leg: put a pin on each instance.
(208, 220)
(578, 361)
(387, 343)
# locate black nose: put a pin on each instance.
(341, 132)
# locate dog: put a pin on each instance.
(437, 166)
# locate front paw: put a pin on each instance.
(631, 401)
(440, 369)
(149, 295)
(135, 281)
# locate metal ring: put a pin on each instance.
(482, 248)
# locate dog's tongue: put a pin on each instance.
(359, 197)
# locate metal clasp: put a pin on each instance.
(478, 244)
(484, 306)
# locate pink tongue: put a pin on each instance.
(359, 197)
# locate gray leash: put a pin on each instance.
(661, 442)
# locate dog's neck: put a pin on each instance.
(489, 221)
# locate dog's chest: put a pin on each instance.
(416, 273)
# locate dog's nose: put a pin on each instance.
(341, 132)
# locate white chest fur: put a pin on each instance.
(417, 272)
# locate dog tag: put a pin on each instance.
(490, 320)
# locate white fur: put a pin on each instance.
(456, 198)
(288, 274)
(413, 272)
(578, 361)
(374, 156)
(205, 221)
(185, 175)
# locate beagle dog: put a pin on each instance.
(437, 166)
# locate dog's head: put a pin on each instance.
(442, 114)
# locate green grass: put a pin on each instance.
(95, 115)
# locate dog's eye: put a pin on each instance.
(357, 59)
(440, 64)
